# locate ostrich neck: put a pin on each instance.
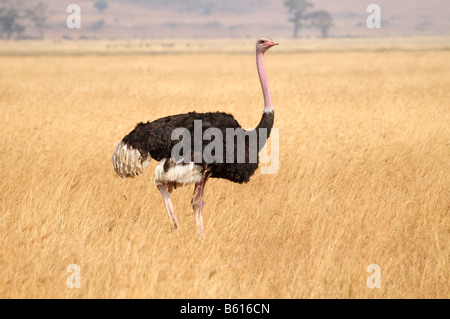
(265, 125)
(268, 106)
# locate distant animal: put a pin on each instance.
(154, 140)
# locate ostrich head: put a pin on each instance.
(264, 43)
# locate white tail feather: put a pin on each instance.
(128, 162)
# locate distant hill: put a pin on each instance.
(236, 18)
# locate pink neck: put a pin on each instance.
(264, 81)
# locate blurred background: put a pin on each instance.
(130, 19)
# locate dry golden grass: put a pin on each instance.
(216, 45)
(364, 178)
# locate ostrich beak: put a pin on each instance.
(273, 43)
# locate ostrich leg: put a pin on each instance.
(197, 205)
(165, 192)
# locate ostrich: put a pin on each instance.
(154, 140)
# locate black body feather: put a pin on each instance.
(154, 139)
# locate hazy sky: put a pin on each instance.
(235, 18)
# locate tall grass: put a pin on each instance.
(364, 178)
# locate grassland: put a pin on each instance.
(364, 177)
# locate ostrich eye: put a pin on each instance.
(261, 41)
